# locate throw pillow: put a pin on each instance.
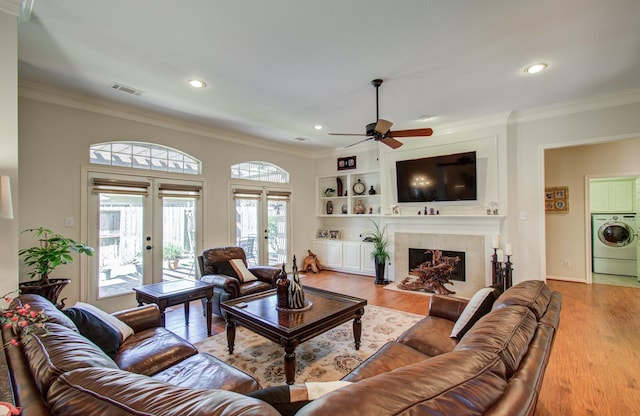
(243, 273)
(479, 305)
(124, 329)
(95, 330)
(224, 267)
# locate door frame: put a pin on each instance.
(154, 177)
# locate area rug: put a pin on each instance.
(326, 357)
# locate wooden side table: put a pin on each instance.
(167, 294)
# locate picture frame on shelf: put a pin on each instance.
(346, 163)
(334, 234)
(322, 233)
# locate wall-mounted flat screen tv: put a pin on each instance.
(439, 178)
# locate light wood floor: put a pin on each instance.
(595, 363)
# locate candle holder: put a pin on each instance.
(501, 272)
(508, 273)
(495, 268)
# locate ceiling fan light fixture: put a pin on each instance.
(196, 83)
(535, 68)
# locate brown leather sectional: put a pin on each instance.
(154, 372)
(496, 368)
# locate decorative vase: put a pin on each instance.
(282, 289)
(339, 186)
(372, 191)
(296, 293)
(329, 207)
(49, 290)
(380, 280)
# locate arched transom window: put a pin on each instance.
(144, 156)
(259, 171)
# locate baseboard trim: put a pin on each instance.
(567, 279)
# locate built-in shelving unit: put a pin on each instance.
(348, 203)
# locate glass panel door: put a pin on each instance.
(120, 236)
(261, 225)
(178, 238)
(247, 220)
(278, 229)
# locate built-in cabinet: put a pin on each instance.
(350, 194)
(612, 196)
(332, 203)
(345, 256)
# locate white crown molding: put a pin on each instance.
(51, 95)
(488, 121)
(575, 106)
(11, 7)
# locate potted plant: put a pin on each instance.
(378, 236)
(171, 253)
(52, 251)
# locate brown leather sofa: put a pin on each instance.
(155, 372)
(228, 287)
(496, 368)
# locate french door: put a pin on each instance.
(144, 230)
(260, 224)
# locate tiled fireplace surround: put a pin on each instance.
(472, 234)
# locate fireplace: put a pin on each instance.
(476, 271)
(418, 256)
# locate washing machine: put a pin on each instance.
(615, 244)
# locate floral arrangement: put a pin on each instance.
(21, 319)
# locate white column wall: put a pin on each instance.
(9, 146)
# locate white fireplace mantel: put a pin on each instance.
(447, 224)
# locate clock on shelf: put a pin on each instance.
(359, 187)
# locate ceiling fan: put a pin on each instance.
(380, 131)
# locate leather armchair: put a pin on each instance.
(228, 287)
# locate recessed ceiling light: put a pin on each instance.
(318, 126)
(535, 68)
(425, 117)
(196, 83)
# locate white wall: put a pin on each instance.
(54, 143)
(527, 142)
(9, 146)
(567, 235)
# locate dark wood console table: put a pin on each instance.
(167, 294)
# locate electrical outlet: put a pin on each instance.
(567, 263)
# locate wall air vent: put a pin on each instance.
(128, 90)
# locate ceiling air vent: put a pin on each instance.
(128, 90)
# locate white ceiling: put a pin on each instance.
(275, 68)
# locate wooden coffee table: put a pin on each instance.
(292, 328)
(165, 294)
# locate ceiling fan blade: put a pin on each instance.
(411, 133)
(361, 141)
(391, 142)
(383, 126)
(346, 134)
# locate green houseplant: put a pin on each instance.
(51, 251)
(378, 236)
(172, 253)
